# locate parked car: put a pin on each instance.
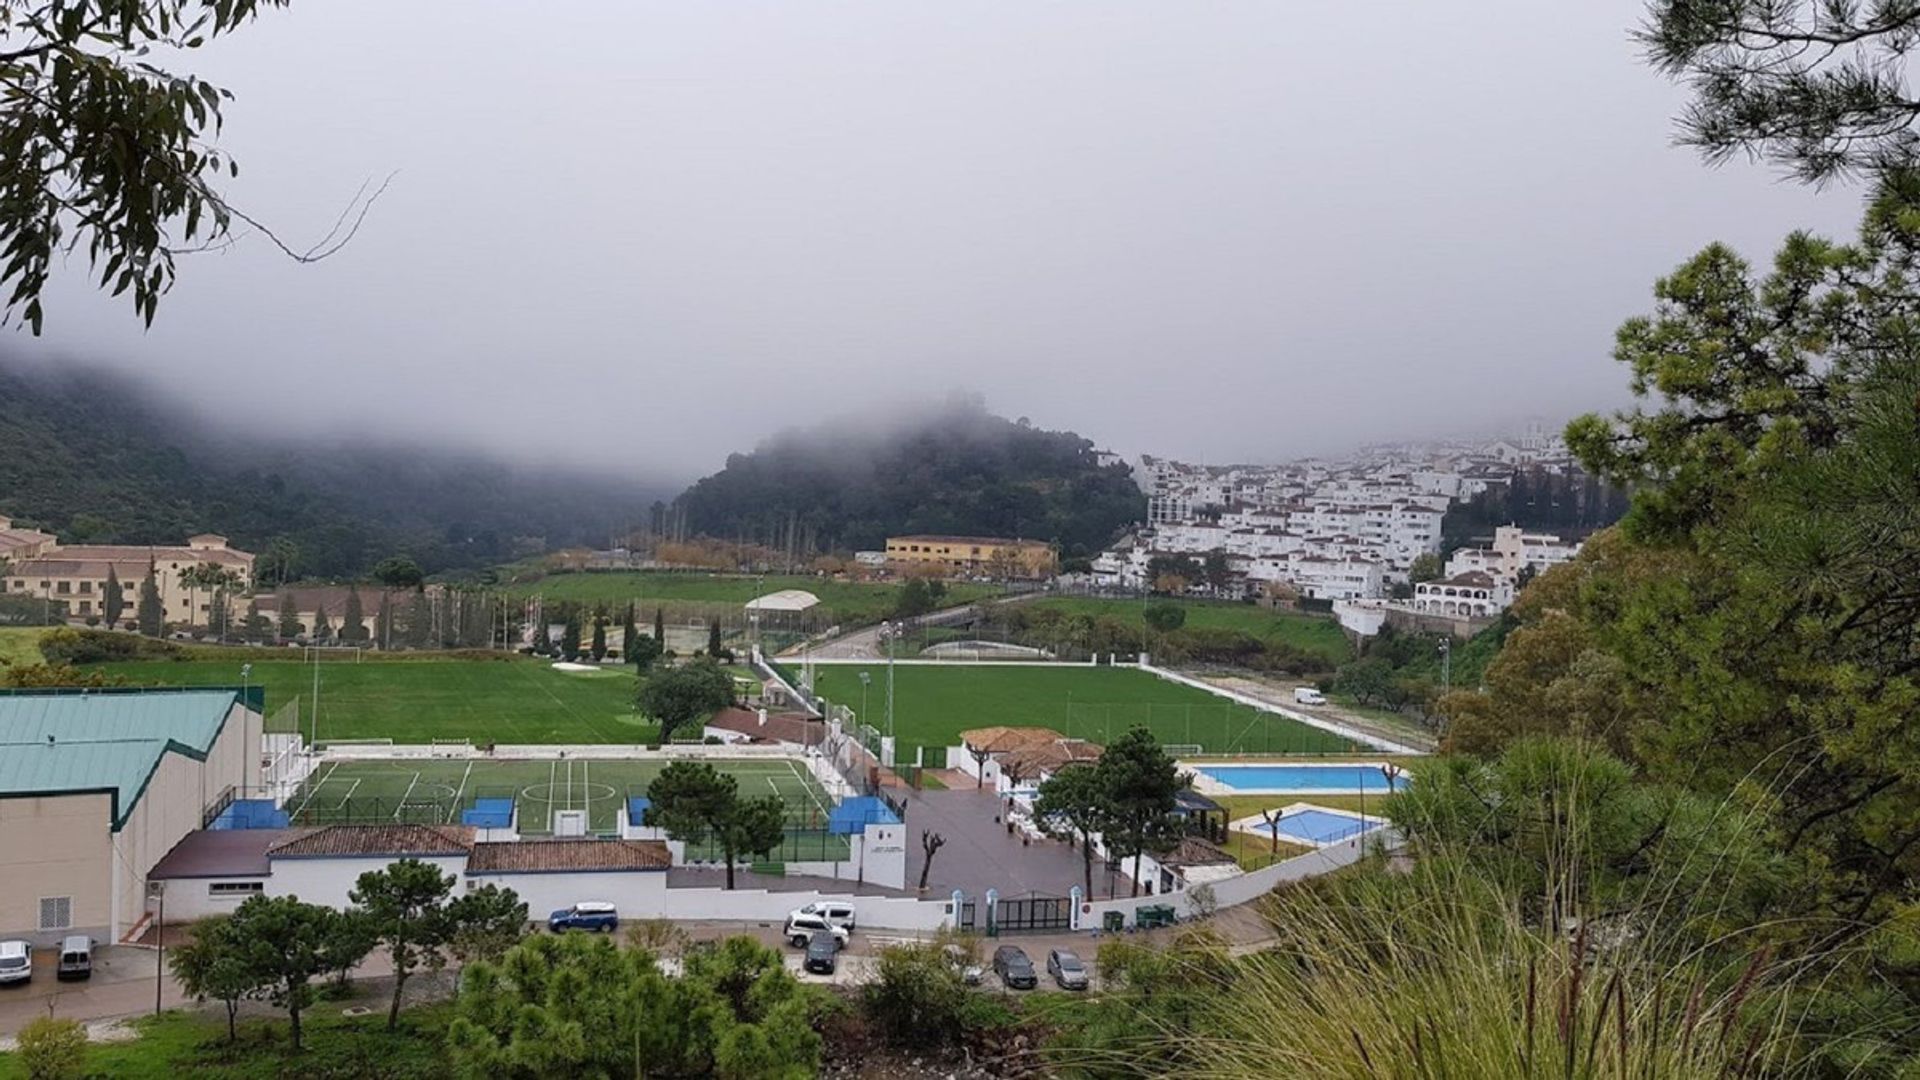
(76, 958)
(823, 952)
(1066, 969)
(1010, 962)
(16, 961)
(962, 963)
(1307, 695)
(801, 928)
(837, 912)
(585, 915)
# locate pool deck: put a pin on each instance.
(1206, 784)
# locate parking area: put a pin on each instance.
(980, 853)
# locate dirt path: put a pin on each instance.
(1279, 691)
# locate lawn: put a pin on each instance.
(1302, 630)
(181, 1044)
(435, 792)
(506, 700)
(933, 704)
(852, 602)
(20, 644)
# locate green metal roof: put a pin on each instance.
(103, 741)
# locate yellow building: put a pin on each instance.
(75, 575)
(973, 555)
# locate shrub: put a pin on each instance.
(71, 645)
(916, 998)
(52, 1049)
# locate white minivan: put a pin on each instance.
(1307, 695)
(801, 927)
(837, 912)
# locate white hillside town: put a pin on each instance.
(1346, 529)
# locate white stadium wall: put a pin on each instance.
(637, 894)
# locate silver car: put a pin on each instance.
(1067, 970)
(16, 961)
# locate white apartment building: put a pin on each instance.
(1512, 551)
(1475, 594)
(1318, 576)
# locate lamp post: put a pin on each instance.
(1446, 664)
(246, 705)
(889, 632)
(865, 680)
(160, 940)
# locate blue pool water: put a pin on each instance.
(1319, 827)
(1302, 779)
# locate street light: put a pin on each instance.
(1446, 664)
(888, 632)
(865, 680)
(246, 705)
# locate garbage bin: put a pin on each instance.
(1113, 921)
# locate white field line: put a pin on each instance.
(314, 789)
(411, 784)
(455, 808)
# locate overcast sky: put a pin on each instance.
(649, 233)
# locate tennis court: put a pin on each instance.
(362, 791)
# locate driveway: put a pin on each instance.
(979, 853)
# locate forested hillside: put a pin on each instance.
(961, 470)
(86, 455)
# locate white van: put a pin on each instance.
(837, 912)
(801, 927)
(1307, 695)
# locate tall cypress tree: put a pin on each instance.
(322, 626)
(599, 648)
(570, 637)
(383, 622)
(629, 633)
(660, 628)
(713, 638)
(113, 602)
(419, 623)
(290, 627)
(353, 619)
(151, 615)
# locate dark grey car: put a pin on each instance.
(1010, 962)
(823, 952)
(1067, 970)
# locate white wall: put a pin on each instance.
(758, 905)
(189, 899)
(638, 894)
(327, 881)
(1241, 889)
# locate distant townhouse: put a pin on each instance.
(1512, 551)
(1475, 594)
(75, 575)
(18, 543)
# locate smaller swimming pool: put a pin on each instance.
(1318, 828)
(1300, 779)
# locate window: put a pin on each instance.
(86, 607)
(56, 912)
(235, 888)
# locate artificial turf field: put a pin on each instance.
(361, 791)
(519, 700)
(933, 705)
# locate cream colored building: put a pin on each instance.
(22, 543)
(76, 575)
(96, 786)
(973, 555)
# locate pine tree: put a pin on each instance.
(570, 638)
(419, 623)
(660, 627)
(599, 638)
(113, 602)
(257, 626)
(629, 633)
(353, 619)
(383, 622)
(322, 628)
(151, 615)
(290, 627)
(713, 638)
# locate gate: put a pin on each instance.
(1031, 914)
(968, 915)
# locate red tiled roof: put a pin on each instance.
(559, 856)
(793, 728)
(352, 841)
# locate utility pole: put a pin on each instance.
(1446, 664)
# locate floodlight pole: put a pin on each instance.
(887, 632)
(1446, 664)
(246, 706)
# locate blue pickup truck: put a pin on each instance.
(586, 915)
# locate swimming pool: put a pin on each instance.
(1317, 828)
(1299, 779)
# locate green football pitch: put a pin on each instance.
(934, 704)
(519, 700)
(362, 791)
